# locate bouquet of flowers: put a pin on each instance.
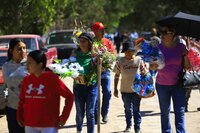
(149, 52)
(76, 33)
(98, 49)
(67, 68)
(78, 30)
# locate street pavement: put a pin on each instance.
(116, 124)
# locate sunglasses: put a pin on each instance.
(166, 32)
(83, 40)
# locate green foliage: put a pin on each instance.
(37, 16)
(28, 16)
(115, 10)
(107, 11)
(146, 12)
(86, 11)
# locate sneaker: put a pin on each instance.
(137, 131)
(95, 122)
(186, 108)
(105, 119)
(128, 129)
(79, 131)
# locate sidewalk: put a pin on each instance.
(150, 116)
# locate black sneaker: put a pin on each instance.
(186, 109)
(105, 119)
(2, 111)
(137, 131)
(128, 129)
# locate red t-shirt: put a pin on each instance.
(40, 100)
(109, 45)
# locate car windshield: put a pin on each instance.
(2, 60)
(60, 37)
(3, 56)
(30, 42)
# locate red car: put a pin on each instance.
(33, 42)
(3, 58)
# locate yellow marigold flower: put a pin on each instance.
(78, 33)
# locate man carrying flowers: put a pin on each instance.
(99, 31)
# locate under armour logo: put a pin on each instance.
(39, 89)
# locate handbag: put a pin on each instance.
(191, 78)
(143, 84)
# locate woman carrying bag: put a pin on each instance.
(167, 80)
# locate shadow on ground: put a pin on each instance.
(143, 113)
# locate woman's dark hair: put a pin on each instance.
(169, 28)
(39, 57)
(88, 37)
(13, 42)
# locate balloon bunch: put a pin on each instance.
(143, 84)
(149, 52)
(194, 57)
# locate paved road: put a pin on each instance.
(150, 116)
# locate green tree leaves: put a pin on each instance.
(38, 16)
(28, 16)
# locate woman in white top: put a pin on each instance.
(13, 73)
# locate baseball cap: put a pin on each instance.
(97, 26)
(87, 36)
(128, 45)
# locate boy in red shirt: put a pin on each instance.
(39, 103)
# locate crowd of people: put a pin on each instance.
(33, 100)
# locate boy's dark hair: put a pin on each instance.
(13, 42)
(39, 57)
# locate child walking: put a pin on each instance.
(39, 104)
(127, 66)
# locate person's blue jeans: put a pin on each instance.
(165, 93)
(132, 108)
(13, 126)
(106, 90)
(85, 99)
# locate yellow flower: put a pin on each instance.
(78, 33)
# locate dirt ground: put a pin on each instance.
(116, 124)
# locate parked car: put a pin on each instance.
(33, 42)
(3, 58)
(62, 40)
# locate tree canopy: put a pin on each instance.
(28, 16)
(39, 16)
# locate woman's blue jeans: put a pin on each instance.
(13, 126)
(85, 99)
(165, 93)
(132, 108)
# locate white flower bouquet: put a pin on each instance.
(67, 68)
